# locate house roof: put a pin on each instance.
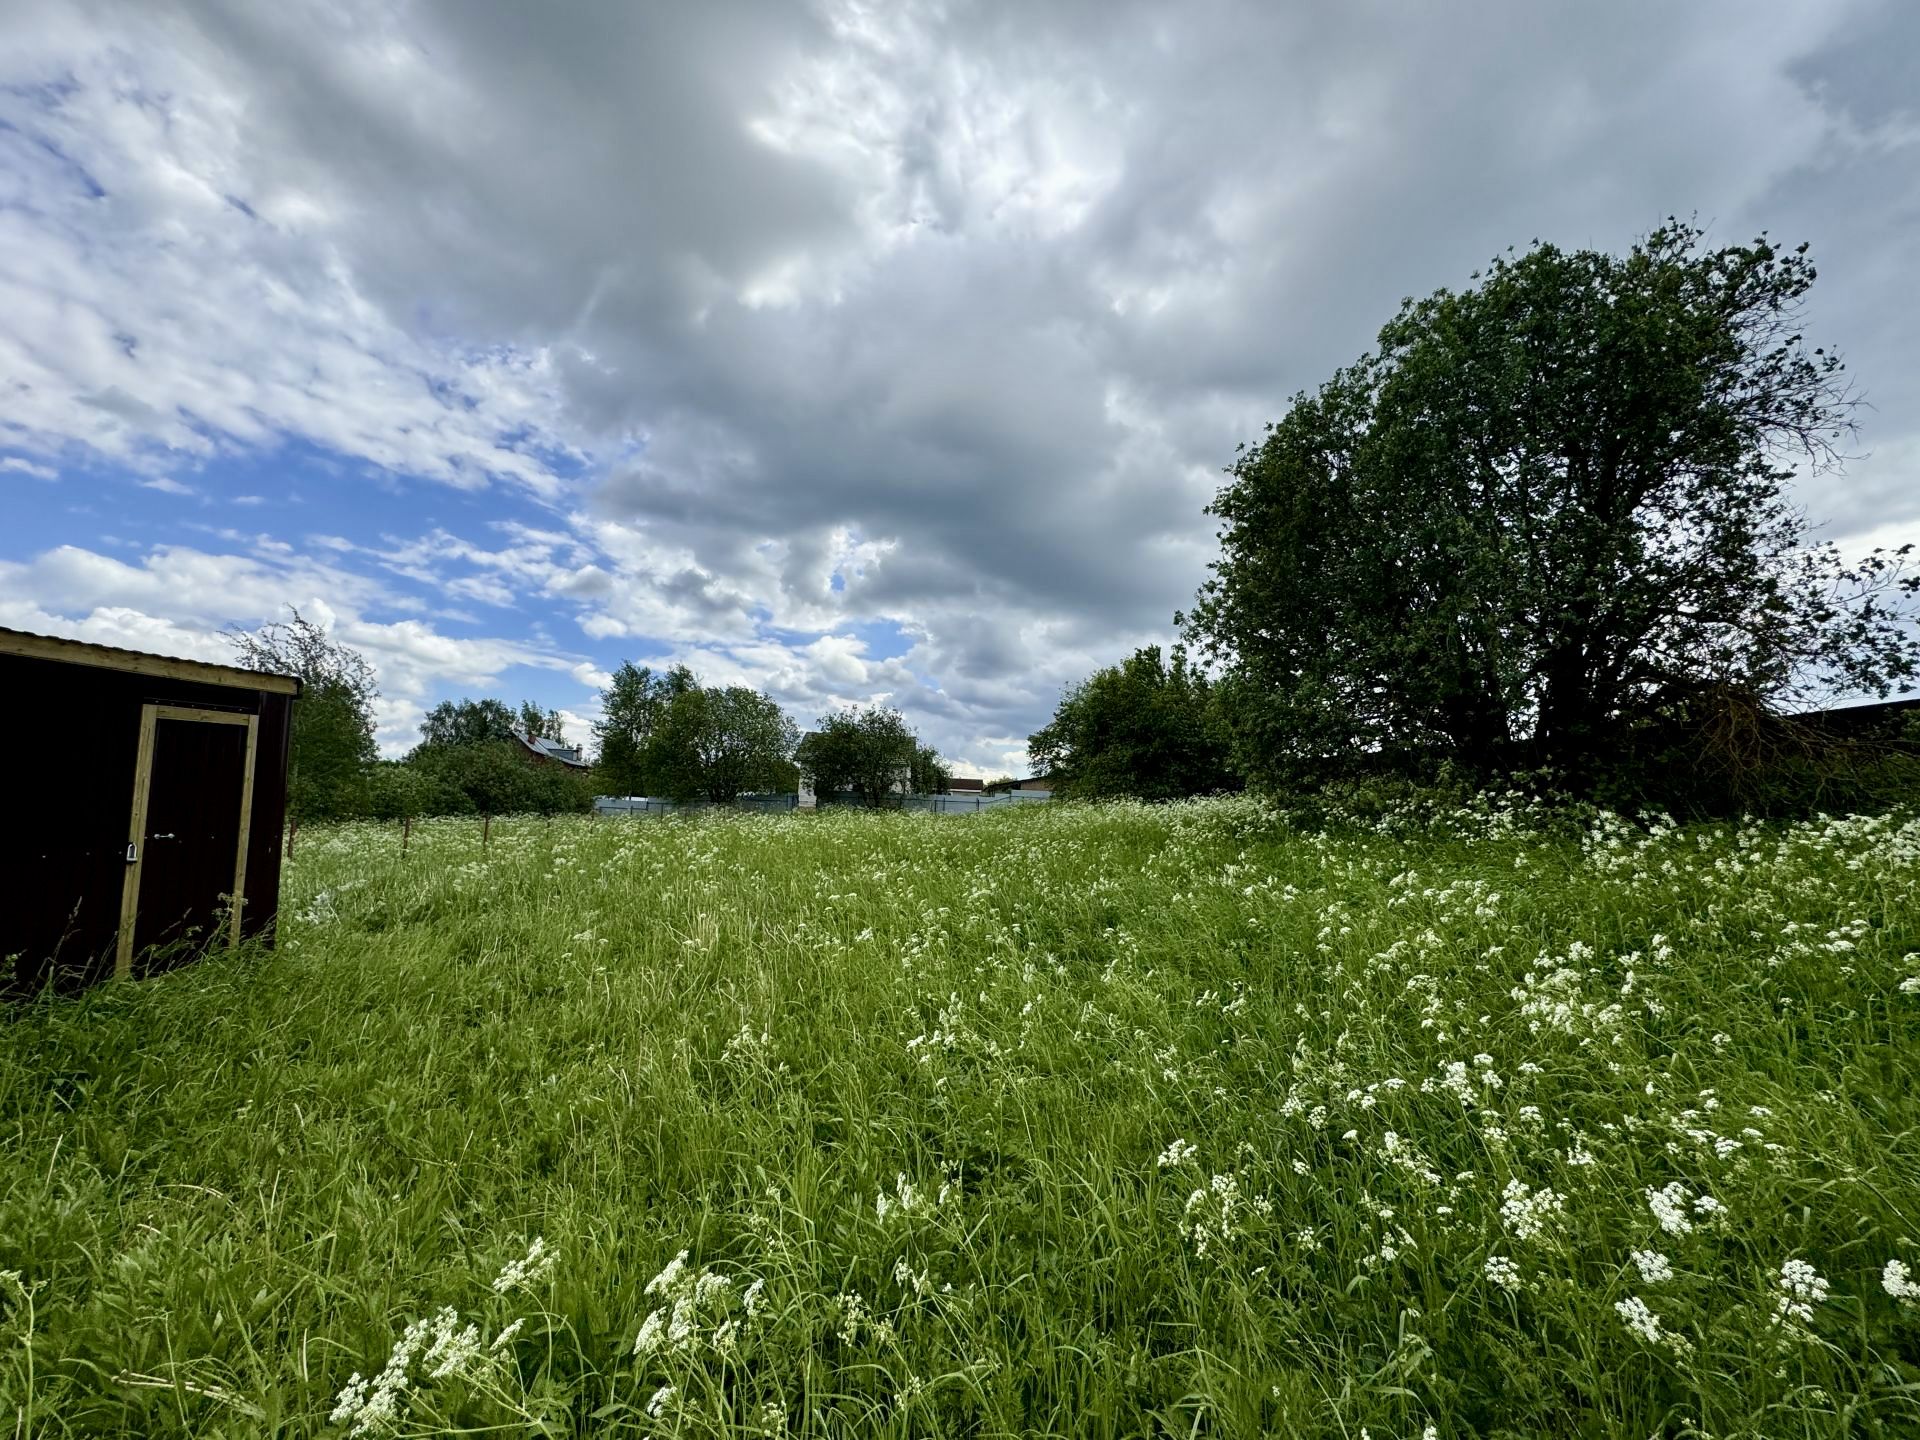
(553, 750)
(140, 662)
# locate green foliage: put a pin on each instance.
(498, 777)
(632, 707)
(866, 752)
(666, 734)
(717, 743)
(331, 751)
(468, 722)
(400, 791)
(541, 724)
(1550, 510)
(1099, 1120)
(929, 774)
(1148, 727)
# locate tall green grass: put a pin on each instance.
(1075, 1121)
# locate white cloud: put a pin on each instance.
(800, 320)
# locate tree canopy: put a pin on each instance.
(1147, 727)
(1550, 510)
(331, 751)
(664, 733)
(632, 708)
(467, 722)
(869, 752)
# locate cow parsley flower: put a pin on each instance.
(1639, 1320)
(1669, 1206)
(1652, 1265)
(1503, 1272)
(1527, 1212)
(1801, 1288)
(1178, 1153)
(526, 1273)
(1897, 1280)
(662, 1398)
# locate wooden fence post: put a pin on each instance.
(292, 830)
(486, 830)
(406, 835)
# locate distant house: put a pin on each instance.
(1032, 785)
(966, 785)
(542, 751)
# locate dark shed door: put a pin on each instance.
(192, 834)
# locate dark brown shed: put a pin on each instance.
(147, 796)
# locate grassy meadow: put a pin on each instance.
(1184, 1120)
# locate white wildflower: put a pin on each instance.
(1503, 1272)
(1669, 1206)
(1897, 1280)
(1178, 1153)
(1801, 1288)
(1527, 1212)
(662, 1398)
(1638, 1319)
(526, 1273)
(1652, 1265)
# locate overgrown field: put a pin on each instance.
(1076, 1121)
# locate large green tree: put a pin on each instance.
(540, 724)
(1551, 509)
(1147, 727)
(929, 774)
(467, 722)
(868, 752)
(720, 742)
(632, 707)
(331, 752)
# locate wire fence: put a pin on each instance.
(648, 805)
(971, 804)
(929, 804)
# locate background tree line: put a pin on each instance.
(661, 733)
(1545, 529)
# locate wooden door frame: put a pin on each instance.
(151, 714)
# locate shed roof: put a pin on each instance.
(139, 662)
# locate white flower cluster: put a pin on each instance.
(1502, 1271)
(1528, 1212)
(1652, 1265)
(1644, 1325)
(1671, 1205)
(696, 1309)
(1178, 1153)
(1639, 1320)
(446, 1350)
(1212, 1215)
(524, 1274)
(1897, 1280)
(910, 1199)
(1801, 1288)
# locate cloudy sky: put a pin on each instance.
(855, 351)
